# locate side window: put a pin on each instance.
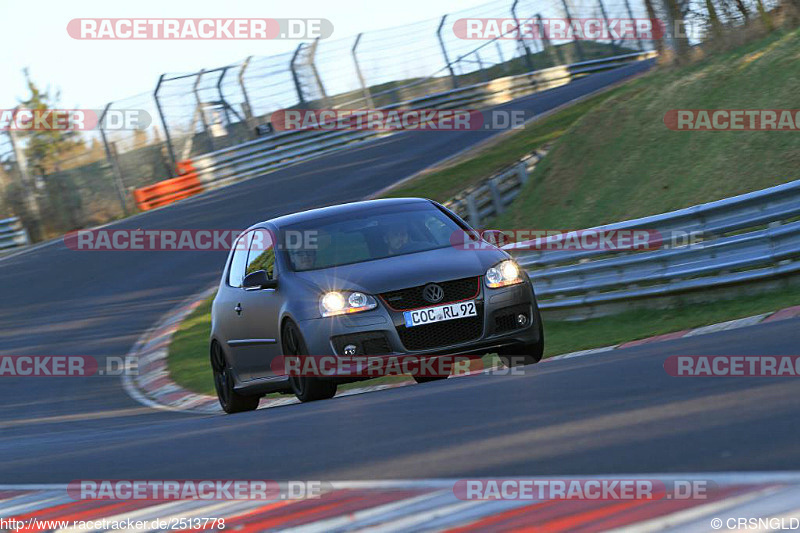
(236, 272)
(262, 253)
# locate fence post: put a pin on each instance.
(578, 46)
(497, 199)
(472, 211)
(630, 15)
(226, 107)
(170, 148)
(115, 170)
(484, 74)
(547, 45)
(364, 89)
(317, 78)
(199, 107)
(614, 47)
(444, 53)
(293, 67)
(500, 55)
(522, 172)
(528, 60)
(246, 109)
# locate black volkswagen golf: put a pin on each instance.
(373, 278)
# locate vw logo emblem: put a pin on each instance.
(433, 293)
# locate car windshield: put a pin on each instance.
(366, 236)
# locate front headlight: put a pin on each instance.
(340, 303)
(503, 274)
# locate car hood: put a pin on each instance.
(408, 270)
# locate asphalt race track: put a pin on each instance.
(610, 413)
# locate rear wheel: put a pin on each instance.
(306, 388)
(230, 400)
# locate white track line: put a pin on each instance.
(692, 514)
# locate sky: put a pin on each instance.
(89, 74)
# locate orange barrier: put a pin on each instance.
(171, 190)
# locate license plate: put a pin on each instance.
(429, 315)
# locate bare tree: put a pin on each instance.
(713, 19)
(651, 14)
(676, 14)
(743, 10)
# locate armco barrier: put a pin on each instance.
(12, 233)
(747, 238)
(260, 156)
(171, 190)
(492, 196)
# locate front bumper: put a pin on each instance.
(382, 330)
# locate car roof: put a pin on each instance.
(341, 209)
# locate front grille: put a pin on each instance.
(455, 290)
(440, 334)
(370, 343)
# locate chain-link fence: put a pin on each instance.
(216, 108)
(201, 112)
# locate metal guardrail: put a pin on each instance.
(746, 238)
(257, 157)
(493, 195)
(12, 233)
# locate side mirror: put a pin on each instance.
(258, 280)
(495, 237)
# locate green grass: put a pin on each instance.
(188, 360)
(562, 336)
(448, 182)
(619, 161)
(188, 353)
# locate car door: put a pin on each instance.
(260, 309)
(228, 306)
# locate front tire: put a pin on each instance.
(428, 379)
(230, 400)
(306, 388)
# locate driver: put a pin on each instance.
(397, 240)
(303, 259)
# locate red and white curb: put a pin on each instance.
(429, 505)
(783, 314)
(154, 387)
